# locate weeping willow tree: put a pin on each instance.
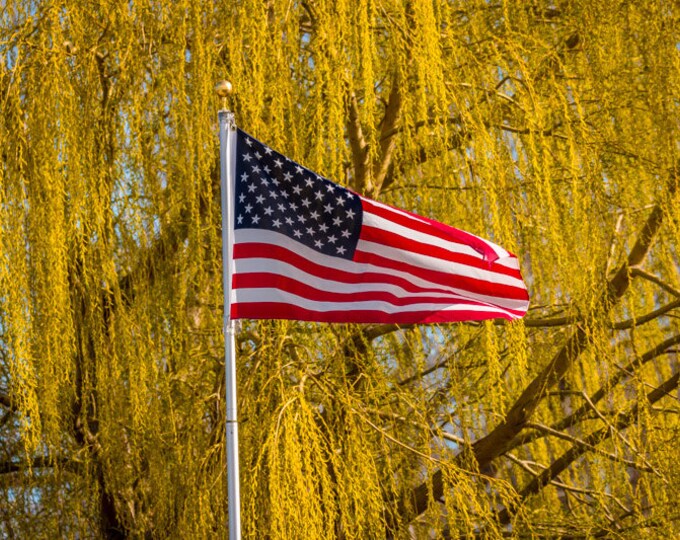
(550, 128)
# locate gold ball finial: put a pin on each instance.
(224, 89)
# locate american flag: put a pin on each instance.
(306, 248)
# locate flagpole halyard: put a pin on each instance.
(227, 126)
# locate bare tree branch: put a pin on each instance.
(5, 401)
(637, 321)
(502, 437)
(580, 442)
(639, 272)
(581, 412)
(358, 145)
(40, 462)
(566, 459)
(387, 142)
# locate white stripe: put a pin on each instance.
(375, 220)
(278, 267)
(282, 297)
(270, 237)
(399, 211)
(379, 222)
(440, 265)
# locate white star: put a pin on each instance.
(248, 208)
(341, 250)
(297, 190)
(267, 169)
(256, 168)
(341, 200)
(278, 163)
(318, 244)
(273, 194)
(309, 182)
(275, 182)
(310, 231)
(285, 194)
(256, 219)
(329, 187)
(328, 208)
(345, 234)
(332, 239)
(258, 155)
(260, 200)
(239, 219)
(314, 214)
(252, 187)
(267, 150)
(297, 233)
(323, 227)
(293, 206)
(350, 213)
(249, 142)
(318, 195)
(287, 176)
(276, 223)
(301, 218)
(289, 220)
(299, 169)
(268, 211)
(244, 176)
(241, 197)
(337, 221)
(247, 157)
(305, 202)
(281, 207)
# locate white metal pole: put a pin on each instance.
(227, 164)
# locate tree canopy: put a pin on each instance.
(551, 128)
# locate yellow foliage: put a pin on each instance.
(550, 128)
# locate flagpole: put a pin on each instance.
(227, 161)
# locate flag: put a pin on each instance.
(306, 248)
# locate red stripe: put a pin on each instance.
(270, 251)
(274, 310)
(429, 226)
(477, 286)
(260, 280)
(387, 238)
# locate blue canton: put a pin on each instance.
(276, 194)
